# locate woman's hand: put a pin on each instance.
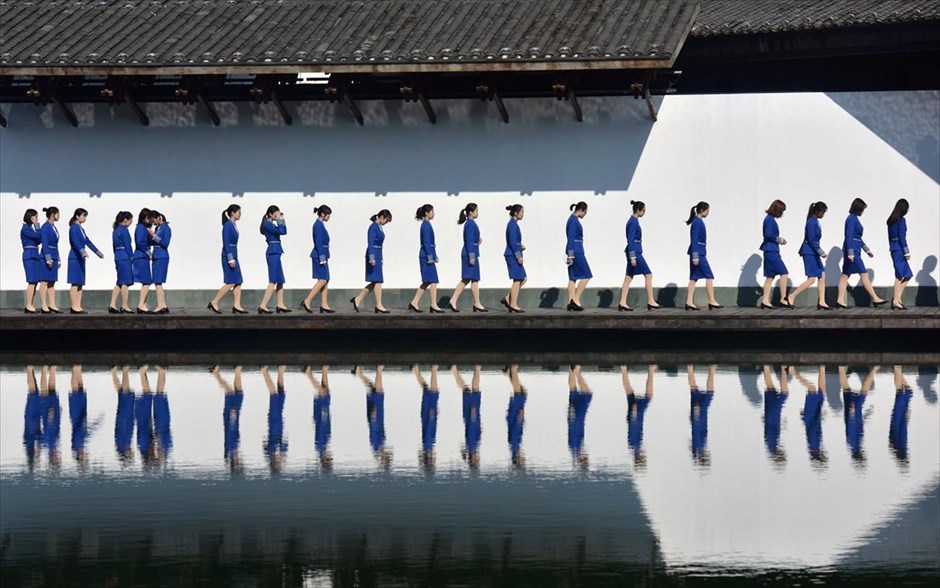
(519, 259)
(633, 262)
(851, 259)
(231, 264)
(783, 241)
(473, 262)
(372, 262)
(870, 254)
(100, 255)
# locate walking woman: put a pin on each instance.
(273, 226)
(231, 269)
(320, 256)
(900, 253)
(698, 258)
(143, 253)
(579, 272)
(430, 393)
(161, 259)
(49, 272)
(773, 263)
(427, 258)
(374, 277)
(375, 415)
(636, 263)
(472, 428)
(852, 249)
(469, 259)
(123, 249)
(78, 245)
(813, 254)
(579, 400)
(32, 264)
(514, 259)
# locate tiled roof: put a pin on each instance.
(741, 17)
(244, 32)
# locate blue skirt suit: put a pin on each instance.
(470, 251)
(773, 263)
(897, 244)
(513, 252)
(78, 241)
(49, 236)
(375, 238)
(161, 253)
(574, 248)
(853, 245)
(320, 255)
(123, 249)
(142, 255)
(634, 249)
(230, 275)
(427, 255)
(272, 231)
(32, 262)
(697, 251)
(810, 250)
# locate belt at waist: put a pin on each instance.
(274, 242)
(30, 247)
(702, 243)
(579, 240)
(376, 246)
(119, 248)
(52, 247)
(895, 239)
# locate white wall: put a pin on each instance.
(738, 152)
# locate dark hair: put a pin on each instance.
(698, 208)
(579, 206)
(51, 211)
(858, 206)
(423, 211)
(384, 213)
(121, 217)
(271, 210)
(816, 208)
(900, 209)
(145, 215)
(232, 209)
(322, 210)
(78, 212)
(154, 214)
(30, 213)
(465, 213)
(638, 205)
(514, 209)
(776, 208)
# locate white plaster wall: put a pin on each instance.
(737, 152)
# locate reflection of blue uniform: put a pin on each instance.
(375, 238)
(32, 421)
(124, 422)
(49, 237)
(515, 421)
(773, 264)
(375, 414)
(321, 422)
(698, 238)
(574, 248)
(853, 245)
(812, 420)
(78, 241)
(854, 420)
(78, 416)
(897, 433)
(428, 419)
(161, 421)
(230, 275)
(578, 404)
(143, 415)
(427, 254)
(810, 250)
(773, 409)
(471, 420)
(636, 410)
(470, 251)
(272, 231)
(161, 253)
(634, 249)
(32, 263)
(51, 420)
(897, 244)
(700, 400)
(321, 251)
(275, 442)
(142, 255)
(123, 250)
(513, 252)
(231, 413)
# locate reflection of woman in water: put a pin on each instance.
(698, 414)
(375, 415)
(900, 413)
(78, 416)
(51, 415)
(275, 446)
(812, 414)
(472, 429)
(231, 412)
(429, 398)
(636, 411)
(853, 403)
(515, 417)
(773, 413)
(321, 415)
(143, 415)
(579, 400)
(32, 420)
(161, 417)
(124, 420)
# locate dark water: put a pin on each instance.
(498, 475)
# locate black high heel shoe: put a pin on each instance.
(840, 305)
(763, 306)
(382, 311)
(480, 309)
(164, 310)
(414, 308)
(714, 306)
(260, 311)
(73, 311)
(437, 310)
(898, 307)
(304, 306)
(452, 307)
(55, 311)
(326, 310)
(622, 308)
(821, 307)
(690, 307)
(505, 302)
(354, 303)
(574, 307)
(28, 311)
(214, 309)
(45, 312)
(652, 306)
(514, 309)
(882, 303)
(282, 310)
(241, 310)
(143, 311)
(126, 311)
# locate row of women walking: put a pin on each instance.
(146, 260)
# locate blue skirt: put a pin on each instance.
(467, 271)
(902, 269)
(579, 268)
(640, 269)
(142, 272)
(229, 275)
(516, 271)
(702, 271)
(853, 267)
(49, 274)
(160, 267)
(428, 272)
(813, 266)
(321, 272)
(374, 272)
(275, 269)
(773, 265)
(125, 272)
(76, 270)
(33, 268)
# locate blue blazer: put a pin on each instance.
(812, 235)
(771, 232)
(31, 239)
(121, 243)
(634, 238)
(897, 236)
(161, 242)
(78, 240)
(853, 236)
(575, 235)
(49, 236)
(513, 239)
(142, 242)
(229, 241)
(321, 242)
(471, 239)
(698, 237)
(428, 248)
(272, 232)
(376, 238)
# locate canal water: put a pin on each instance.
(469, 475)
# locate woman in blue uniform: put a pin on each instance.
(231, 269)
(321, 416)
(275, 445)
(579, 400)
(853, 411)
(812, 414)
(900, 253)
(123, 249)
(698, 258)
(813, 254)
(515, 418)
(375, 415)
(469, 259)
(636, 412)
(50, 416)
(514, 258)
(161, 417)
(852, 248)
(161, 259)
(374, 238)
(579, 272)
(49, 271)
(320, 257)
(143, 253)
(231, 417)
(427, 260)
(636, 263)
(79, 243)
(430, 393)
(900, 414)
(32, 263)
(124, 416)
(472, 428)
(774, 400)
(698, 414)
(773, 263)
(273, 226)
